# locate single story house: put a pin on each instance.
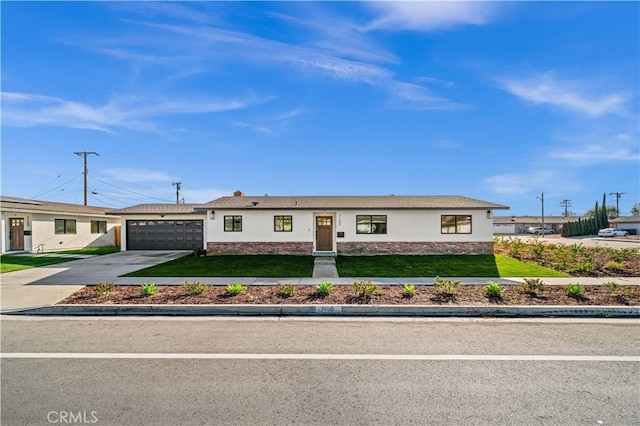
(518, 224)
(162, 227)
(628, 223)
(304, 225)
(32, 225)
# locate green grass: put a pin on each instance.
(231, 266)
(9, 263)
(481, 265)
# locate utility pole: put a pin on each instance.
(86, 170)
(541, 198)
(177, 185)
(618, 195)
(566, 204)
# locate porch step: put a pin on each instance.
(325, 267)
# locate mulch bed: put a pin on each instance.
(344, 294)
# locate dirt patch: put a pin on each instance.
(344, 294)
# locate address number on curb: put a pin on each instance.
(328, 309)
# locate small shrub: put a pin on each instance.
(366, 289)
(615, 266)
(105, 289)
(324, 288)
(533, 285)
(285, 290)
(235, 289)
(613, 287)
(199, 252)
(493, 289)
(148, 289)
(408, 290)
(194, 288)
(581, 268)
(574, 290)
(447, 286)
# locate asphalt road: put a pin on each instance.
(217, 371)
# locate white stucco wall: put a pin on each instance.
(402, 225)
(42, 227)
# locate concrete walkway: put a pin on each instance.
(325, 267)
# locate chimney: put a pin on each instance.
(238, 193)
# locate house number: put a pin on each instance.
(328, 309)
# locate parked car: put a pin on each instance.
(540, 230)
(612, 232)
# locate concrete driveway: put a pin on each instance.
(49, 284)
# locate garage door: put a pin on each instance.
(164, 234)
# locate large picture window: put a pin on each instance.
(98, 226)
(369, 224)
(233, 224)
(65, 226)
(283, 223)
(455, 224)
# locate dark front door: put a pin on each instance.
(324, 233)
(16, 233)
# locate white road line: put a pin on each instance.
(329, 357)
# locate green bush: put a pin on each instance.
(194, 288)
(285, 290)
(574, 290)
(366, 289)
(408, 290)
(615, 266)
(613, 287)
(148, 289)
(235, 289)
(105, 289)
(493, 289)
(446, 286)
(533, 285)
(324, 288)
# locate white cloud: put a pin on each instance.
(573, 95)
(137, 113)
(531, 182)
(418, 97)
(136, 175)
(204, 195)
(430, 15)
(589, 149)
(257, 127)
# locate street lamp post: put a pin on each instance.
(541, 198)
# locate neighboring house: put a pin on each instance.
(628, 223)
(162, 227)
(364, 225)
(519, 224)
(32, 225)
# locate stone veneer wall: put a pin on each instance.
(289, 248)
(399, 247)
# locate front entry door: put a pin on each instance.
(324, 233)
(16, 233)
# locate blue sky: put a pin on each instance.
(499, 101)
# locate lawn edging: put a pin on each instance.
(336, 310)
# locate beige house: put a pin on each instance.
(349, 225)
(506, 225)
(630, 224)
(33, 225)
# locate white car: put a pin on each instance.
(540, 230)
(612, 232)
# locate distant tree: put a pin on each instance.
(611, 212)
(635, 210)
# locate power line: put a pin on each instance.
(618, 195)
(57, 187)
(130, 191)
(86, 170)
(566, 204)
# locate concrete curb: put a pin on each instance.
(335, 310)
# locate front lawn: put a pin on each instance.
(231, 266)
(10, 263)
(480, 265)
(90, 250)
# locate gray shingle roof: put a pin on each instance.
(24, 205)
(352, 202)
(625, 219)
(158, 209)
